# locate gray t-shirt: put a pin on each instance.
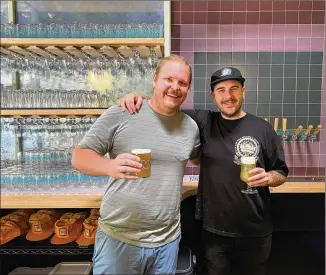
(144, 212)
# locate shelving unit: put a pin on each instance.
(77, 47)
(51, 112)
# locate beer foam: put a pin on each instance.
(141, 151)
(248, 160)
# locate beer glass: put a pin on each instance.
(145, 156)
(247, 164)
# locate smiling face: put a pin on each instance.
(171, 85)
(228, 96)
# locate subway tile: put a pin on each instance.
(303, 44)
(238, 58)
(292, 17)
(200, 17)
(225, 31)
(321, 172)
(251, 97)
(251, 108)
(253, 5)
(263, 110)
(227, 5)
(278, 17)
(252, 31)
(200, 57)
(187, 17)
(289, 97)
(199, 70)
(291, 30)
(239, 18)
(289, 159)
(212, 31)
(264, 57)
(290, 70)
(252, 58)
(313, 149)
(291, 122)
(277, 71)
(299, 171)
(239, 45)
(213, 45)
(278, 44)
(301, 109)
(276, 109)
(265, 44)
(175, 5)
(175, 45)
(186, 44)
(304, 30)
(317, 31)
(302, 83)
(252, 71)
(300, 148)
(303, 57)
(312, 171)
(318, 5)
(277, 84)
(278, 58)
(291, 44)
(318, 17)
(301, 96)
(277, 97)
(305, 17)
(239, 31)
(317, 44)
(290, 57)
(199, 97)
(322, 160)
(201, 5)
(301, 121)
(226, 17)
(214, 5)
(176, 18)
(252, 17)
(300, 160)
(290, 83)
(266, 17)
(214, 17)
(239, 6)
(264, 70)
(251, 83)
(213, 58)
(225, 57)
(305, 5)
(200, 31)
(263, 97)
(315, 70)
(175, 31)
(200, 44)
(302, 70)
(292, 5)
(266, 5)
(314, 97)
(225, 45)
(314, 110)
(187, 31)
(288, 109)
(211, 69)
(252, 45)
(189, 56)
(187, 5)
(265, 31)
(278, 5)
(291, 172)
(199, 84)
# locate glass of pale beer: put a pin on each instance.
(145, 156)
(247, 164)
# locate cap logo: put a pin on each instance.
(226, 71)
(37, 228)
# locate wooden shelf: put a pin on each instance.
(94, 201)
(77, 47)
(51, 112)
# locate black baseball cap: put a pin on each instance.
(227, 73)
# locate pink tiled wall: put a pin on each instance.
(244, 26)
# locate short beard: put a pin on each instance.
(235, 113)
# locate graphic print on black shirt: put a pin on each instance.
(220, 203)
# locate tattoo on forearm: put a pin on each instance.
(275, 178)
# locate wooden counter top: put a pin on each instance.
(94, 201)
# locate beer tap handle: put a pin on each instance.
(308, 130)
(275, 124)
(317, 129)
(298, 130)
(266, 119)
(284, 122)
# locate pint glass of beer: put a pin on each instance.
(145, 156)
(247, 164)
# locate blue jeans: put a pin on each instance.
(115, 257)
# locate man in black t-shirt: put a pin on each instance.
(237, 226)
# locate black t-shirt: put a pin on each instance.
(220, 203)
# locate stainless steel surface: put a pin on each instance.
(75, 268)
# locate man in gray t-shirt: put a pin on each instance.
(139, 227)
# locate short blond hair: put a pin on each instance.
(176, 58)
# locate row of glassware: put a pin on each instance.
(77, 30)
